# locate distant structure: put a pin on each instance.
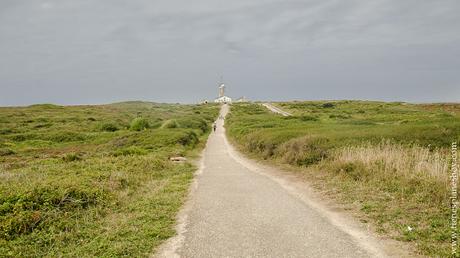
(242, 99)
(221, 90)
(222, 98)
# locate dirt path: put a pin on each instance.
(238, 208)
(276, 109)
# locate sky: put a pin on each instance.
(103, 51)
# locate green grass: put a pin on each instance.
(94, 181)
(389, 161)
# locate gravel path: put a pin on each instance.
(235, 209)
(276, 109)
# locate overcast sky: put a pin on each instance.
(101, 51)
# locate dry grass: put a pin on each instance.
(302, 151)
(396, 158)
(403, 189)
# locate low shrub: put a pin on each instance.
(43, 125)
(6, 131)
(108, 127)
(22, 213)
(132, 150)
(251, 108)
(20, 223)
(328, 105)
(339, 116)
(46, 106)
(354, 170)
(172, 123)
(306, 118)
(139, 124)
(266, 148)
(22, 137)
(190, 138)
(69, 157)
(303, 151)
(195, 123)
(156, 124)
(360, 122)
(65, 136)
(6, 152)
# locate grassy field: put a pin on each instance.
(387, 162)
(95, 181)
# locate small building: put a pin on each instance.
(222, 98)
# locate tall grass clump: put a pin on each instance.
(408, 161)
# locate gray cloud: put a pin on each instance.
(70, 52)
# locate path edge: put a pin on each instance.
(170, 248)
(362, 234)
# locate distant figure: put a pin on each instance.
(214, 126)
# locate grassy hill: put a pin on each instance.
(95, 181)
(389, 162)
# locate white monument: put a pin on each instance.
(222, 98)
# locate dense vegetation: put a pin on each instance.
(387, 161)
(94, 181)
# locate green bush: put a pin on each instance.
(139, 124)
(172, 123)
(328, 105)
(108, 127)
(194, 122)
(190, 138)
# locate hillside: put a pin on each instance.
(82, 181)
